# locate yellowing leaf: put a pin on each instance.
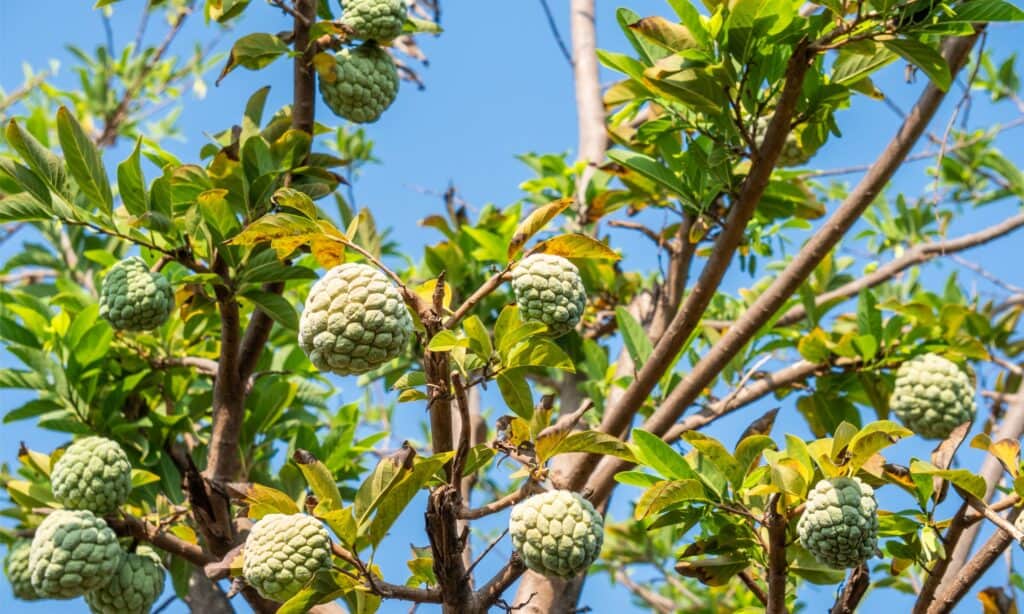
(665, 494)
(576, 246)
(535, 222)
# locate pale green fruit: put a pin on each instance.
(17, 571)
(283, 552)
(73, 552)
(379, 20)
(839, 526)
(93, 474)
(134, 587)
(549, 289)
(354, 321)
(932, 396)
(133, 298)
(557, 533)
(361, 85)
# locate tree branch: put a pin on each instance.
(853, 591)
(590, 113)
(777, 566)
(137, 528)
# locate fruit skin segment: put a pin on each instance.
(549, 289)
(557, 533)
(839, 526)
(17, 571)
(93, 474)
(932, 396)
(378, 20)
(134, 587)
(361, 85)
(134, 299)
(73, 552)
(283, 552)
(354, 321)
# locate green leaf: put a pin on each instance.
(48, 167)
(342, 522)
(925, 57)
(635, 338)
(414, 25)
(851, 66)
(254, 51)
(871, 439)
(665, 494)
(299, 201)
(479, 338)
(141, 478)
(131, 184)
(84, 161)
(402, 492)
(516, 392)
(594, 442)
(320, 480)
(537, 352)
(664, 33)
(23, 207)
(535, 222)
(650, 168)
(962, 478)
(446, 341)
(275, 306)
(983, 11)
(869, 318)
(652, 452)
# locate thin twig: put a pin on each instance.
(554, 32)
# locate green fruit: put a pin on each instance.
(73, 552)
(362, 84)
(354, 320)
(133, 298)
(283, 552)
(17, 571)
(839, 526)
(548, 289)
(557, 533)
(791, 154)
(93, 474)
(932, 396)
(379, 20)
(134, 587)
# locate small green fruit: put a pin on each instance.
(549, 289)
(839, 525)
(134, 587)
(361, 85)
(133, 298)
(93, 474)
(73, 552)
(557, 533)
(283, 552)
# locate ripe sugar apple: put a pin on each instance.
(354, 320)
(378, 20)
(362, 84)
(548, 289)
(283, 552)
(932, 396)
(93, 474)
(134, 587)
(17, 572)
(558, 533)
(73, 552)
(133, 298)
(839, 525)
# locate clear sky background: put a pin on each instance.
(497, 86)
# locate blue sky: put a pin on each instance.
(497, 86)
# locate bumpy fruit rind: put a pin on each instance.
(134, 298)
(932, 396)
(549, 289)
(378, 20)
(839, 526)
(283, 552)
(134, 587)
(93, 474)
(17, 571)
(557, 533)
(354, 320)
(73, 552)
(361, 85)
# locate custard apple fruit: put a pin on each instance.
(73, 552)
(378, 20)
(93, 474)
(133, 298)
(17, 572)
(283, 552)
(362, 84)
(932, 396)
(354, 320)
(548, 289)
(839, 525)
(558, 533)
(134, 587)
(791, 154)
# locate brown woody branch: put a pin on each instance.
(495, 506)
(590, 112)
(789, 280)
(137, 528)
(775, 523)
(205, 366)
(481, 293)
(853, 591)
